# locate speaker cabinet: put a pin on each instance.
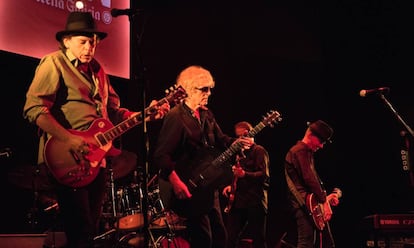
(22, 240)
(388, 230)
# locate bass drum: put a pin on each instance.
(174, 242)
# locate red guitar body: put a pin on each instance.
(71, 170)
(74, 171)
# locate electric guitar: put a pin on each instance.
(202, 174)
(317, 210)
(77, 171)
(233, 189)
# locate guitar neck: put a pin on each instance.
(237, 146)
(124, 126)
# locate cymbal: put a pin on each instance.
(174, 227)
(30, 177)
(123, 164)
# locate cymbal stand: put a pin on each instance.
(170, 235)
(114, 213)
(34, 210)
(112, 188)
(171, 242)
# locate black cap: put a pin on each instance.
(322, 130)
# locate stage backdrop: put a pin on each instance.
(28, 27)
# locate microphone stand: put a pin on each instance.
(410, 131)
(396, 114)
(137, 75)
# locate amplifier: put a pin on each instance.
(22, 240)
(389, 222)
(388, 230)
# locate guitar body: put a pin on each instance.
(74, 171)
(233, 188)
(203, 173)
(202, 187)
(317, 210)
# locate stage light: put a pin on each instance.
(79, 4)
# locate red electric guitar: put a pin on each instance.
(233, 189)
(317, 210)
(71, 170)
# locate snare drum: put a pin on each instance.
(131, 222)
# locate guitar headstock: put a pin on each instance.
(271, 118)
(175, 94)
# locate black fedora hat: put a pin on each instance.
(322, 130)
(80, 23)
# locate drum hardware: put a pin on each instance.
(166, 223)
(127, 227)
(105, 235)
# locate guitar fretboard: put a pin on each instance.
(116, 131)
(237, 146)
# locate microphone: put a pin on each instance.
(6, 152)
(119, 12)
(364, 93)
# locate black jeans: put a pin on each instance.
(305, 229)
(80, 210)
(208, 230)
(251, 220)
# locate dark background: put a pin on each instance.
(306, 60)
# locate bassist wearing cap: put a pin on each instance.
(310, 204)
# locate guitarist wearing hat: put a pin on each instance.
(310, 204)
(72, 102)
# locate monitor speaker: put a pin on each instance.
(22, 240)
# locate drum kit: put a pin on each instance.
(123, 222)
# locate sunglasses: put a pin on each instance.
(204, 89)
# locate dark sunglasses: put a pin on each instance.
(204, 89)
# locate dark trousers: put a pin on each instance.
(308, 235)
(305, 229)
(208, 230)
(252, 220)
(80, 210)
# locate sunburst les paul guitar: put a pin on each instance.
(318, 210)
(72, 170)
